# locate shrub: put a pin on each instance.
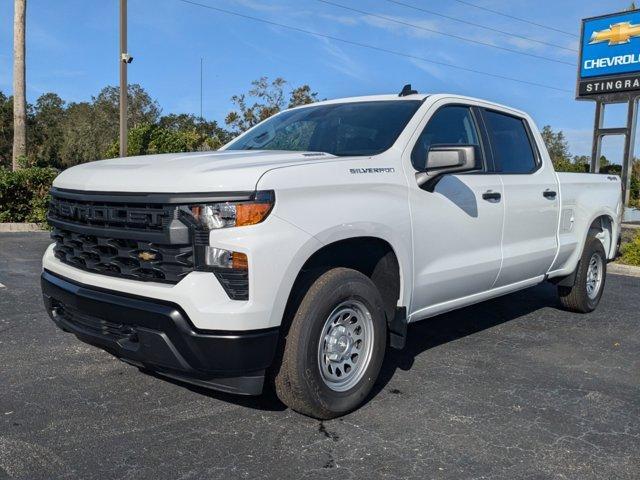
(24, 194)
(631, 252)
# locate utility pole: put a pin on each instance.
(201, 118)
(125, 59)
(19, 86)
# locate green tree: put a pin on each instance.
(89, 129)
(150, 138)
(557, 146)
(263, 100)
(46, 134)
(82, 139)
(181, 122)
(582, 163)
(6, 130)
(142, 109)
(635, 183)
(302, 96)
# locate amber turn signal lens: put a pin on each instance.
(240, 261)
(251, 213)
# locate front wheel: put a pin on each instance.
(585, 293)
(335, 346)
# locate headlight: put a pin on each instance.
(212, 216)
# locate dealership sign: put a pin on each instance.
(610, 55)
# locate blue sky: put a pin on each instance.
(72, 49)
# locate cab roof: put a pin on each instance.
(413, 97)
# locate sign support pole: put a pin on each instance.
(629, 144)
(597, 138)
(629, 133)
(123, 78)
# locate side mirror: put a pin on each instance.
(443, 159)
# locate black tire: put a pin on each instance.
(299, 381)
(576, 298)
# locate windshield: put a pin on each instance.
(362, 128)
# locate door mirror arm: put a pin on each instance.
(444, 159)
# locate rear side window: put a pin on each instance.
(453, 125)
(512, 149)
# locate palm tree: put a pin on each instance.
(19, 87)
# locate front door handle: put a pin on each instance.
(492, 196)
(549, 194)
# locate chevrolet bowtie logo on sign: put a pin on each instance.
(617, 34)
(610, 54)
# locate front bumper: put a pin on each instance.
(159, 336)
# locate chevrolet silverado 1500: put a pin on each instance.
(300, 251)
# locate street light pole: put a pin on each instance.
(124, 62)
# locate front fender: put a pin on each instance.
(331, 203)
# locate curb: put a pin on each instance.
(20, 227)
(620, 269)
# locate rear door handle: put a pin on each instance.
(549, 194)
(492, 196)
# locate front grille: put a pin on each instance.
(137, 260)
(99, 214)
(142, 237)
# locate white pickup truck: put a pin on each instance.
(302, 249)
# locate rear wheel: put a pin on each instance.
(335, 346)
(585, 293)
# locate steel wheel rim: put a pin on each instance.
(346, 345)
(594, 276)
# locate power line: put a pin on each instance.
(513, 17)
(452, 35)
(491, 29)
(373, 47)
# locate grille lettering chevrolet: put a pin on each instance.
(102, 213)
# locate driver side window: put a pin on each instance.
(452, 125)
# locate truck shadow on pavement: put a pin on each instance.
(457, 324)
(422, 336)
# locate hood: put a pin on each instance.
(222, 171)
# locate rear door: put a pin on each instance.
(531, 198)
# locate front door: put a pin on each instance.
(457, 228)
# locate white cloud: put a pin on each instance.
(259, 6)
(440, 72)
(435, 71)
(424, 30)
(341, 19)
(339, 60)
(43, 39)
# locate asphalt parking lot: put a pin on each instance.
(513, 388)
